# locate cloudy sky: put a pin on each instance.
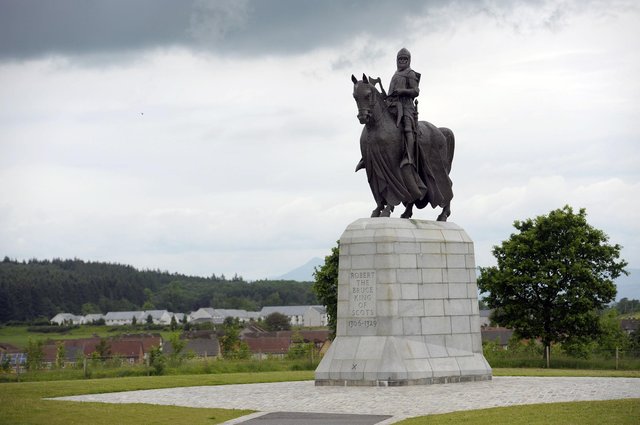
(206, 137)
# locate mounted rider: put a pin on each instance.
(403, 89)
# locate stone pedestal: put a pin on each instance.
(407, 306)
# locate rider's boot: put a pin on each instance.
(410, 148)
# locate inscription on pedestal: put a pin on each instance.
(362, 299)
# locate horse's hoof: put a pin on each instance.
(375, 213)
(442, 217)
(405, 215)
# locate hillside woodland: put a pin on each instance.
(36, 289)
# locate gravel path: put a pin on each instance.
(398, 402)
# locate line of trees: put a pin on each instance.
(42, 288)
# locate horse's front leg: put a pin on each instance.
(446, 212)
(408, 211)
(386, 212)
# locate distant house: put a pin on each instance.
(485, 318)
(499, 335)
(159, 317)
(92, 318)
(263, 344)
(299, 315)
(201, 347)
(217, 315)
(630, 325)
(66, 318)
(268, 346)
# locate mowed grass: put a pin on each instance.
(22, 403)
(614, 412)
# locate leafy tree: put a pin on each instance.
(231, 345)
(174, 323)
(90, 308)
(326, 286)
(299, 349)
(35, 354)
(61, 353)
(149, 320)
(157, 361)
(103, 348)
(178, 345)
(134, 321)
(277, 322)
(552, 277)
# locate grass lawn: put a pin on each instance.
(22, 403)
(618, 412)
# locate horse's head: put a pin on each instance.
(365, 95)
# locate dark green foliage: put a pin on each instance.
(626, 306)
(52, 328)
(33, 289)
(231, 345)
(157, 361)
(35, 354)
(326, 286)
(277, 322)
(552, 278)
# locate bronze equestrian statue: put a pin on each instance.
(407, 161)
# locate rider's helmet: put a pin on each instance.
(403, 59)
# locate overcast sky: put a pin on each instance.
(206, 137)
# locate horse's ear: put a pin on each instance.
(364, 78)
(354, 79)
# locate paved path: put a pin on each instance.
(398, 402)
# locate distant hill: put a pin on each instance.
(304, 273)
(629, 286)
(36, 289)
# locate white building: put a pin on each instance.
(299, 315)
(217, 315)
(67, 318)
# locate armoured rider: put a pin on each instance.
(403, 89)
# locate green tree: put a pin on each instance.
(61, 353)
(157, 361)
(552, 277)
(231, 345)
(103, 348)
(149, 320)
(174, 323)
(90, 308)
(35, 354)
(277, 322)
(326, 286)
(178, 346)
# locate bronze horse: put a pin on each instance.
(424, 182)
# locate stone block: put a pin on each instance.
(386, 261)
(431, 248)
(369, 347)
(407, 261)
(387, 308)
(431, 261)
(408, 308)
(362, 262)
(470, 261)
(362, 248)
(390, 326)
(452, 235)
(456, 275)
(432, 276)
(444, 366)
(346, 348)
(433, 291)
(456, 261)
(436, 325)
(385, 248)
(458, 290)
(409, 291)
(436, 346)
(458, 307)
(455, 248)
(459, 344)
(460, 325)
(433, 307)
(411, 326)
(389, 292)
(386, 276)
(406, 248)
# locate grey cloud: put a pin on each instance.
(31, 28)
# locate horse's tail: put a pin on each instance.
(451, 146)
